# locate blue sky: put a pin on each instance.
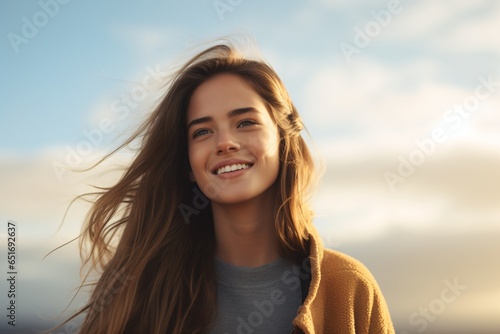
(415, 99)
(81, 54)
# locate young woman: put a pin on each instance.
(209, 229)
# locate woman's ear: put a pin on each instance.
(191, 176)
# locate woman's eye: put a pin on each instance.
(199, 132)
(246, 123)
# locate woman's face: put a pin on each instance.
(233, 142)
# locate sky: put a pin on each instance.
(400, 98)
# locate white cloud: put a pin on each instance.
(100, 111)
(473, 35)
(342, 4)
(371, 108)
(33, 195)
(419, 19)
(450, 26)
(371, 94)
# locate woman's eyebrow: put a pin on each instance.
(232, 113)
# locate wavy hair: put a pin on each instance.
(156, 262)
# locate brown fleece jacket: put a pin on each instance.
(343, 296)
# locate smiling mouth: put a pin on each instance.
(232, 168)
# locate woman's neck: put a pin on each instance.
(245, 232)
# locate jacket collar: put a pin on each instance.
(304, 317)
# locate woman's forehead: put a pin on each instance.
(222, 94)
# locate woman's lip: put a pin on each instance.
(236, 173)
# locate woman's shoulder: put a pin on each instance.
(337, 264)
(347, 293)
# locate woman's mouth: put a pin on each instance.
(232, 168)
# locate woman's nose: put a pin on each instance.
(226, 142)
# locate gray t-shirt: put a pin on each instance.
(257, 300)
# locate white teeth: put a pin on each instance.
(232, 168)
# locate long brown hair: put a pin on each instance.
(151, 234)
